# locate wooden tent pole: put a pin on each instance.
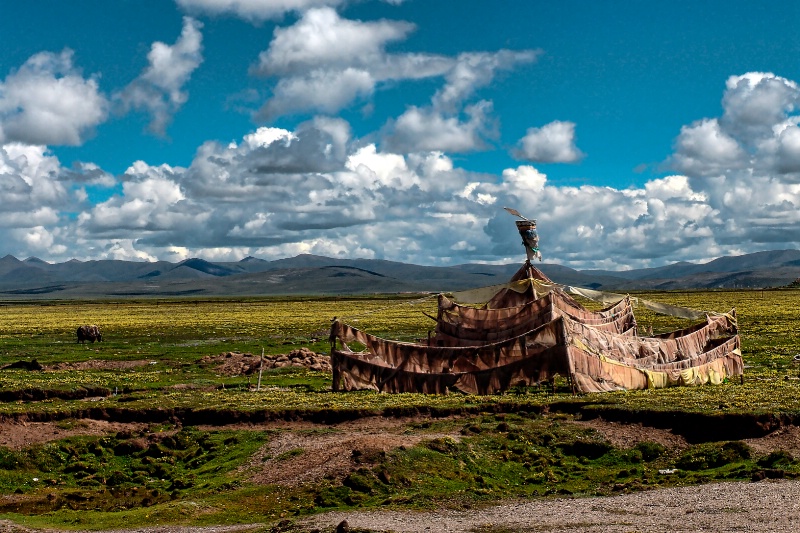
(334, 358)
(260, 369)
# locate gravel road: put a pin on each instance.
(764, 506)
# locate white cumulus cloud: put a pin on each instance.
(448, 124)
(755, 103)
(425, 129)
(756, 134)
(326, 91)
(159, 89)
(48, 101)
(473, 70)
(704, 148)
(325, 62)
(253, 10)
(33, 200)
(29, 179)
(747, 162)
(322, 39)
(552, 143)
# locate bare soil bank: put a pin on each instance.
(694, 427)
(763, 506)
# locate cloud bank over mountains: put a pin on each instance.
(731, 184)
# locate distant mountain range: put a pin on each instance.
(316, 275)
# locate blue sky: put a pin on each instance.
(637, 133)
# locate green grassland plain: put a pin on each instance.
(518, 444)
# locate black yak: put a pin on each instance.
(89, 333)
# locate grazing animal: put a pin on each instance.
(89, 333)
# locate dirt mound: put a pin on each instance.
(295, 457)
(629, 435)
(99, 364)
(20, 434)
(239, 364)
(786, 439)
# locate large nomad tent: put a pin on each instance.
(532, 330)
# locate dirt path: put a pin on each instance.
(7, 526)
(765, 506)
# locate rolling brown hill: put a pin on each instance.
(317, 275)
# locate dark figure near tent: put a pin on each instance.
(89, 333)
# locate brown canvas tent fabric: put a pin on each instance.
(407, 367)
(531, 339)
(520, 289)
(459, 325)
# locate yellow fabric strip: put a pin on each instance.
(656, 380)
